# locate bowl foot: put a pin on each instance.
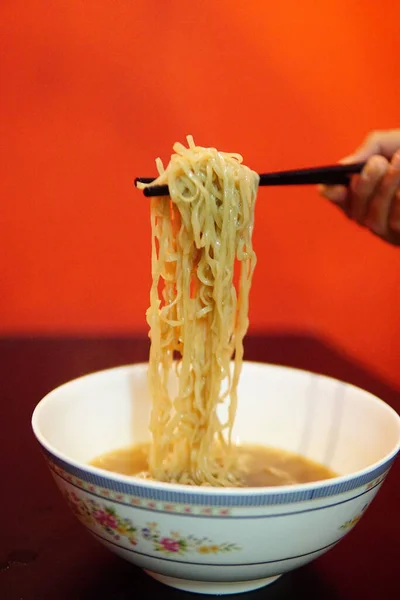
(212, 587)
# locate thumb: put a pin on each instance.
(363, 153)
(379, 142)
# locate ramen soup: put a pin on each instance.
(255, 466)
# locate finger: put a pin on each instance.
(379, 208)
(365, 186)
(378, 142)
(394, 217)
(335, 193)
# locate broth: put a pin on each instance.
(257, 466)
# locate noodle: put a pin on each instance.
(198, 310)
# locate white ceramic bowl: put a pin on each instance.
(220, 540)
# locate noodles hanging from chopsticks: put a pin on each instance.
(202, 267)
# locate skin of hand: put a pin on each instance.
(373, 197)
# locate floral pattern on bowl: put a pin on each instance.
(106, 518)
(352, 522)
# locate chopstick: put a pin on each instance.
(329, 175)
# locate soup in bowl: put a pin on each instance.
(221, 540)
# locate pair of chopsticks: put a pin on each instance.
(330, 175)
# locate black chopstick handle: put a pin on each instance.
(331, 175)
(338, 179)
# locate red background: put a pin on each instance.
(92, 92)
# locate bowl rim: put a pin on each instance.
(206, 490)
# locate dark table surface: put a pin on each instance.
(46, 555)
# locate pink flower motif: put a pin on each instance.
(91, 488)
(187, 509)
(74, 497)
(170, 545)
(151, 505)
(105, 519)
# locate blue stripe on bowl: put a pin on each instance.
(222, 499)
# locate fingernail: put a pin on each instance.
(366, 173)
(396, 160)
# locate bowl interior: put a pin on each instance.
(336, 424)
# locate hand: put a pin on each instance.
(373, 197)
